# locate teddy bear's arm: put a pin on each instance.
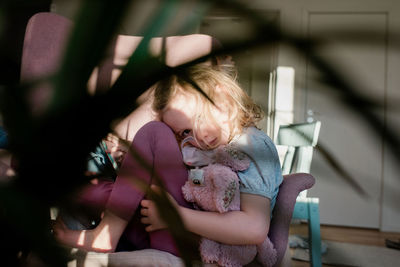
(187, 192)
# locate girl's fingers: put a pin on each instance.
(156, 188)
(145, 203)
(145, 220)
(149, 228)
(159, 190)
(144, 212)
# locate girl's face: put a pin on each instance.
(180, 115)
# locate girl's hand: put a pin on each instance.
(151, 216)
(150, 212)
(60, 230)
(116, 148)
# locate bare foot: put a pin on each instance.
(103, 238)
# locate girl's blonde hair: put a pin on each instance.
(220, 86)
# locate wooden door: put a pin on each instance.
(344, 133)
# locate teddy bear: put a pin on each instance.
(213, 185)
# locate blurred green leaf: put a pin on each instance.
(51, 150)
(96, 24)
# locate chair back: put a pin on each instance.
(300, 139)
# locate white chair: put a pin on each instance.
(300, 140)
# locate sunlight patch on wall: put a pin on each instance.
(284, 96)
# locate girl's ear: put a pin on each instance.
(219, 89)
(221, 97)
(227, 113)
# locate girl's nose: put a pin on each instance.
(208, 138)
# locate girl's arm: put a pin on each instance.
(248, 226)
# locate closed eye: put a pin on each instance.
(185, 132)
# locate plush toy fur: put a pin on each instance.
(215, 187)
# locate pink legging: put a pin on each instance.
(156, 144)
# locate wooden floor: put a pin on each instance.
(344, 234)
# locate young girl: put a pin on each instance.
(231, 120)
(182, 109)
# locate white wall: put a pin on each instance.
(296, 17)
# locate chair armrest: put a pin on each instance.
(291, 186)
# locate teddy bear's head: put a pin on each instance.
(214, 185)
(213, 188)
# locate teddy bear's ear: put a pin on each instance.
(241, 164)
(187, 192)
(232, 157)
(229, 194)
(226, 187)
